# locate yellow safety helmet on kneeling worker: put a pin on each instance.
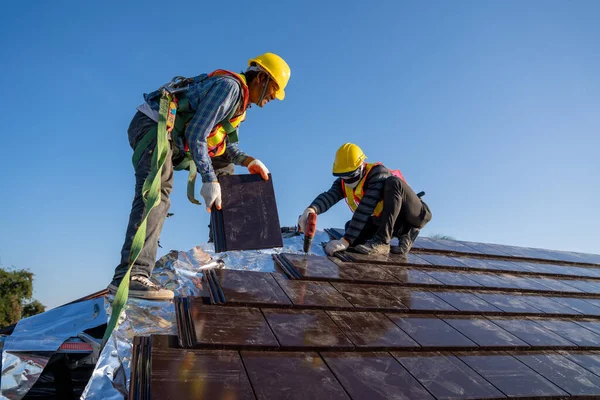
(348, 158)
(276, 67)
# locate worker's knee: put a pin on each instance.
(393, 182)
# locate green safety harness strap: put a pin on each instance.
(151, 194)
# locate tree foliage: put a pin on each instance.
(16, 288)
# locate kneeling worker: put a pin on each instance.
(383, 204)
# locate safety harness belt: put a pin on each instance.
(151, 193)
(187, 162)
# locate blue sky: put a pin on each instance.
(490, 107)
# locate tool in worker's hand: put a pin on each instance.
(311, 228)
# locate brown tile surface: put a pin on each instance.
(194, 374)
(389, 259)
(589, 360)
(571, 331)
(585, 286)
(490, 280)
(430, 331)
(554, 285)
(368, 296)
(367, 273)
(374, 376)
(505, 265)
(370, 329)
(563, 372)
(509, 375)
(250, 287)
(447, 377)
(316, 267)
(455, 246)
(484, 332)
(231, 326)
(581, 305)
(312, 294)
(464, 301)
(509, 303)
(419, 300)
(453, 278)
(531, 333)
(522, 282)
(436, 259)
(549, 306)
(291, 375)
(413, 276)
(592, 325)
(477, 263)
(306, 328)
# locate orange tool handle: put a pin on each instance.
(311, 225)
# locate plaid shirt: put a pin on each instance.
(212, 100)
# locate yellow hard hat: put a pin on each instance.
(348, 158)
(276, 67)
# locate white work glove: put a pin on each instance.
(257, 167)
(336, 245)
(211, 191)
(304, 218)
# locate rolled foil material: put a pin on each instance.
(27, 351)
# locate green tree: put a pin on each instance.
(16, 288)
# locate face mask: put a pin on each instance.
(352, 179)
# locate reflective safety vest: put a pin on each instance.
(354, 195)
(217, 139)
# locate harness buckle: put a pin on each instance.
(177, 85)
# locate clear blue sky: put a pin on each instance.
(491, 107)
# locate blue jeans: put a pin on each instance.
(140, 125)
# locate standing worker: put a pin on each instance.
(203, 136)
(383, 204)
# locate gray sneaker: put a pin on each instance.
(141, 287)
(405, 242)
(373, 246)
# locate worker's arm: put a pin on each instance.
(372, 195)
(213, 108)
(237, 156)
(328, 199)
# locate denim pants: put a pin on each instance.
(140, 125)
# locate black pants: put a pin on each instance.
(145, 262)
(402, 210)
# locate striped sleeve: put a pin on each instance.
(328, 199)
(373, 193)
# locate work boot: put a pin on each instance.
(141, 287)
(405, 242)
(373, 247)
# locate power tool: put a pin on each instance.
(311, 228)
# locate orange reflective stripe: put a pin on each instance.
(216, 141)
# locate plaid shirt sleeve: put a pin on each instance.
(235, 155)
(214, 107)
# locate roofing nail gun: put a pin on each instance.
(311, 228)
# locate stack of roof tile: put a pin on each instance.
(456, 320)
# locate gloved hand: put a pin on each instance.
(336, 245)
(304, 218)
(211, 191)
(257, 167)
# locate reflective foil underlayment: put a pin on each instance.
(27, 350)
(178, 271)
